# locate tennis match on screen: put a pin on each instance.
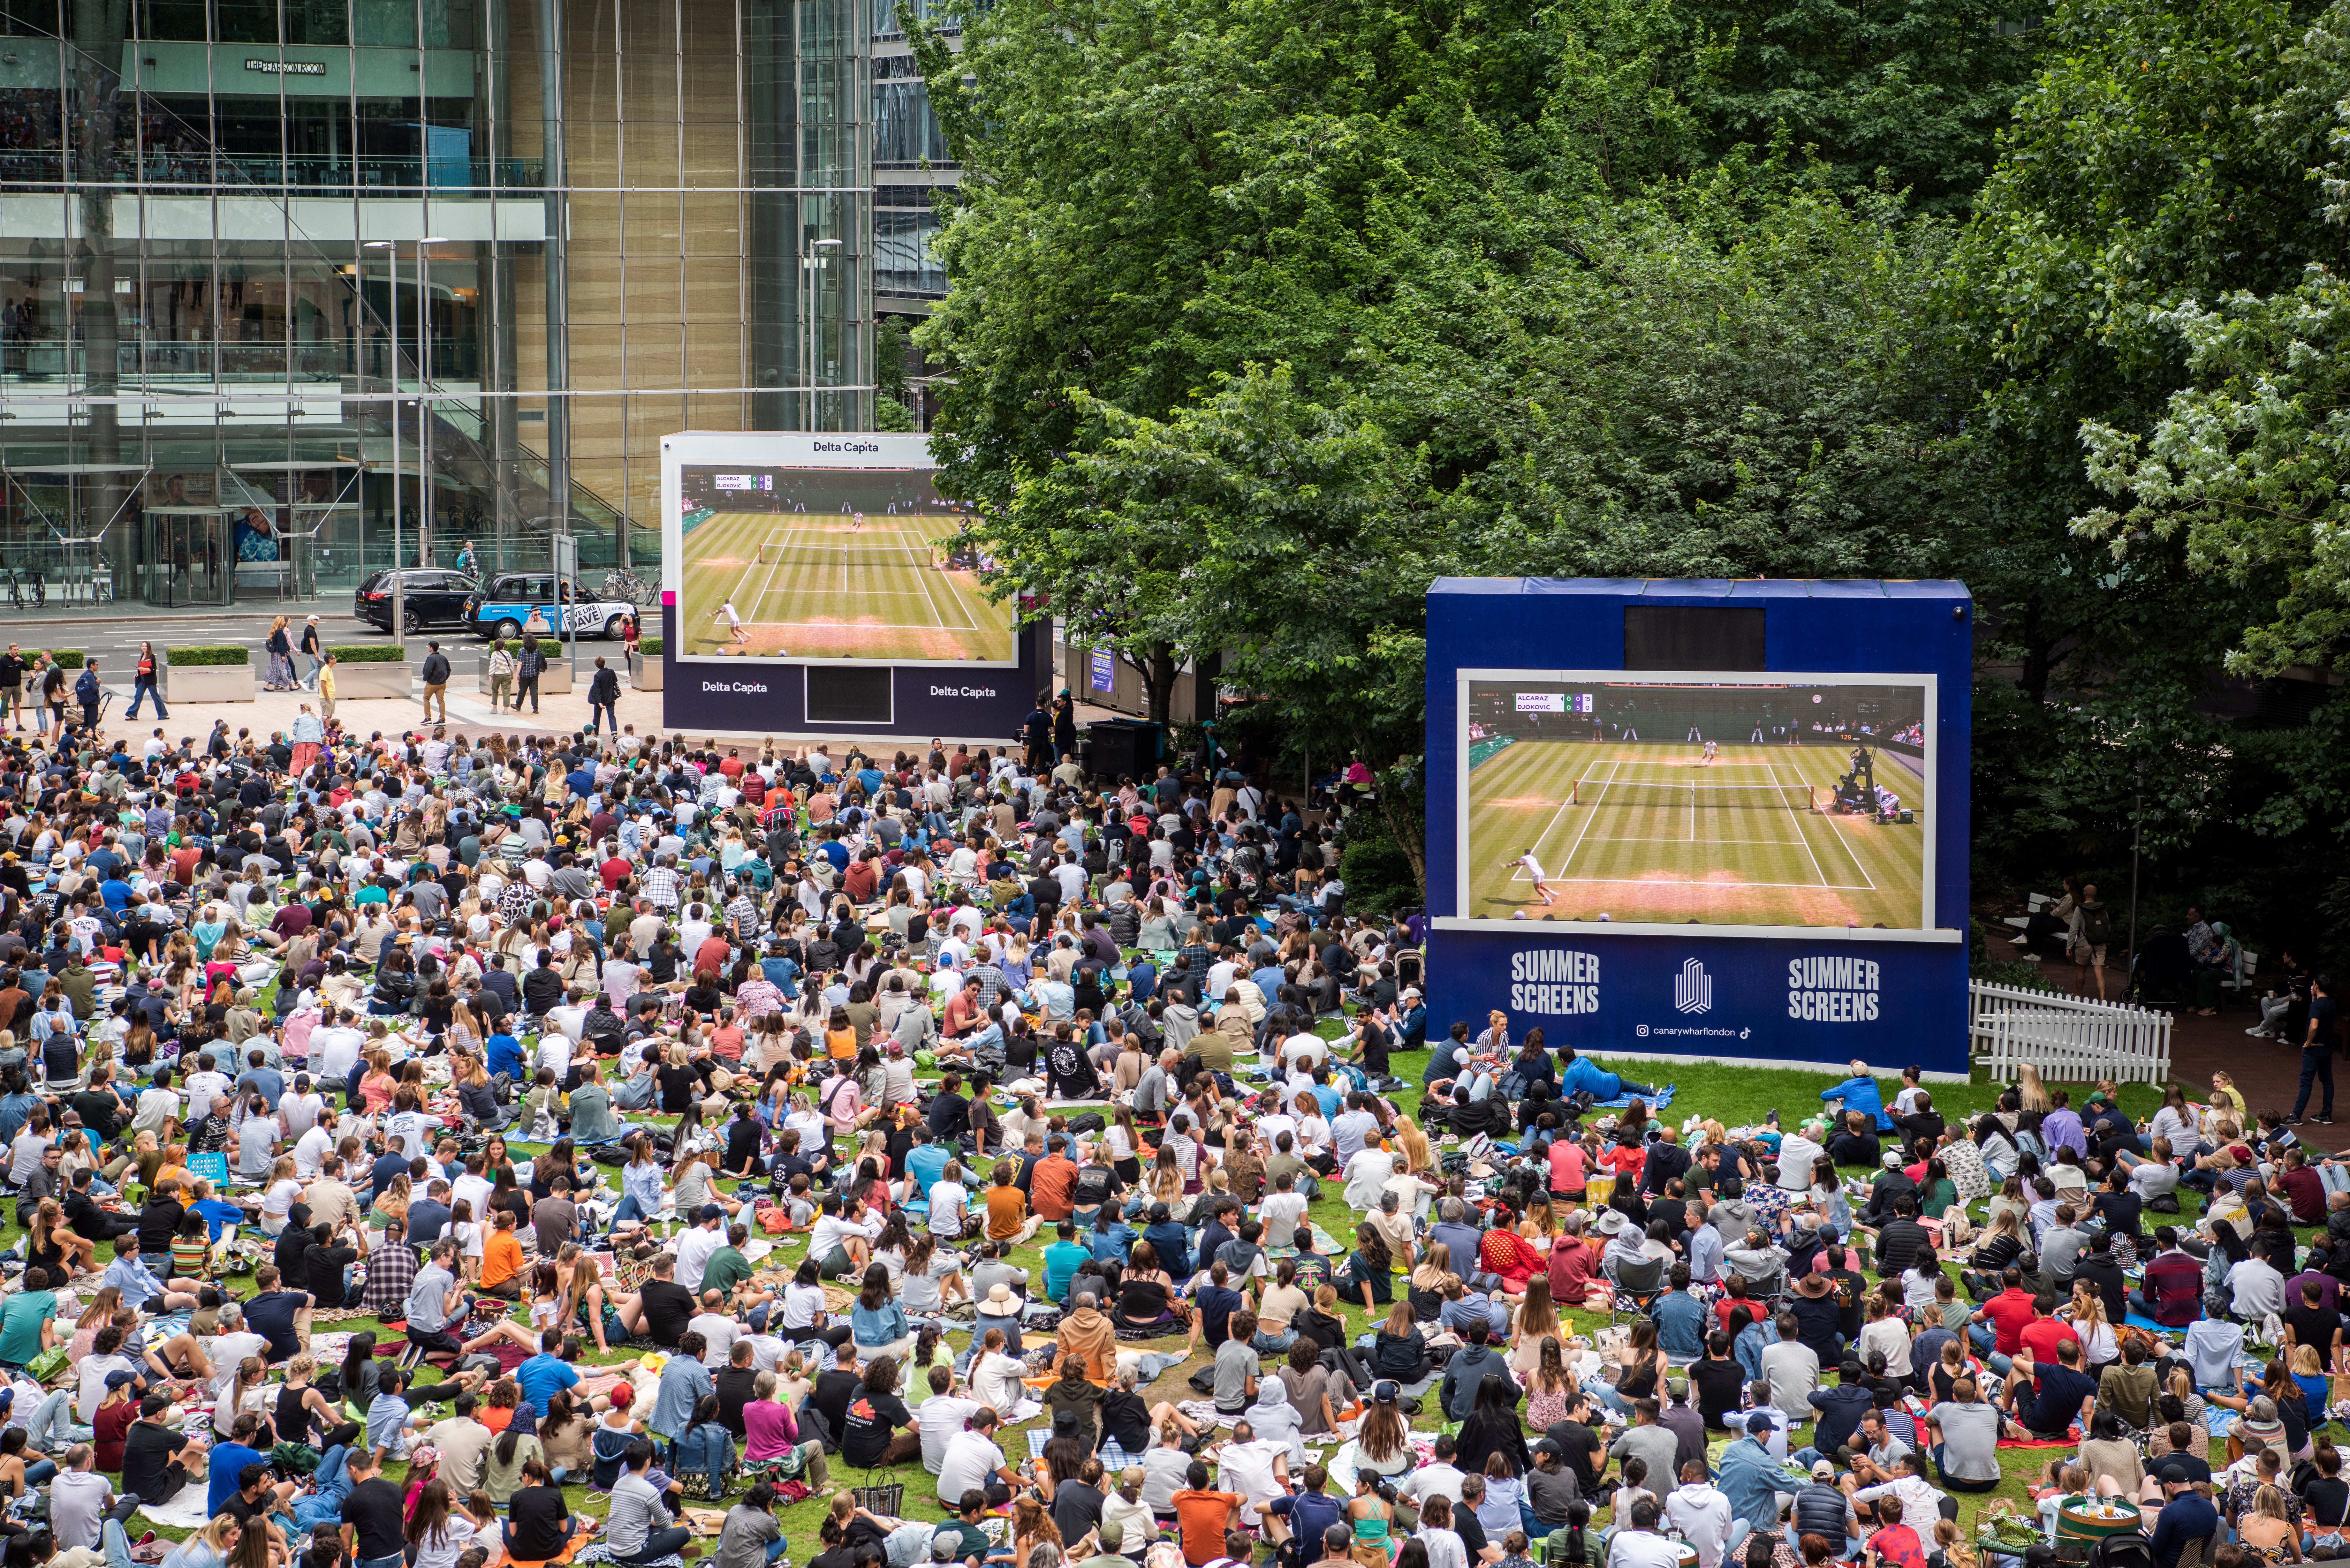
(1742, 801)
(830, 565)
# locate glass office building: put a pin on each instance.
(289, 285)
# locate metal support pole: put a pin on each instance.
(399, 593)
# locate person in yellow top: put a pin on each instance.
(502, 1258)
(326, 689)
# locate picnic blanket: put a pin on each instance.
(2071, 1442)
(1656, 1102)
(1326, 1244)
(185, 1511)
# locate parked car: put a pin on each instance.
(501, 607)
(429, 597)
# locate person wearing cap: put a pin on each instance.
(2187, 1517)
(1823, 1509)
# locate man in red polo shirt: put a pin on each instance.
(2044, 1333)
(964, 1012)
(2007, 1313)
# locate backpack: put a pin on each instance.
(2129, 1550)
(2097, 927)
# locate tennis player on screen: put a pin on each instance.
(1535, 875)
(734, 621)
(1712, 750)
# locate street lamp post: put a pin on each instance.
(425, 392)
(399, 598)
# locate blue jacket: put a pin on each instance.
(1173, 1245)
(1861, 1094)
(1749, 1479)
(1840, 1406)
(683, 1382)
(1585, 1076)
(877, 1326)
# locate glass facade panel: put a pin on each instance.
(216, 302)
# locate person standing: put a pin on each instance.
(502, 671)
(528, 665)
(308, 735)
(326, 689)
(13, 670)
(281, 656)
(604, 699)
(436, 682)
(313, 649)
(2317, 1052)
(2089, 927)
(53, 693)
(143, 686)
(89, 694)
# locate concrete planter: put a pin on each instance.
(208, 683)
(554, 680)
(386, 679)
(645, 671)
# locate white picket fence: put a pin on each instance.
(2066, 1038)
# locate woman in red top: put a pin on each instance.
(1505, 1252)
(143, 682)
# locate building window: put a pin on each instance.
(903, 262)
(906, 134)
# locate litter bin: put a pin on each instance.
(1128, 748)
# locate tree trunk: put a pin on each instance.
(1410, 836)
(1158, 672)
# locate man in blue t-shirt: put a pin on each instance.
(927, 1160)
(506, 1056)
(1063, 1258)
(545, 1372)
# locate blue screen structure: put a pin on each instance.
(1736, 864)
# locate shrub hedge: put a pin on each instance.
(366, 653)
(648, 645)
(199, 656)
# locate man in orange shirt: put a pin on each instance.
(1203, 1516)
(502, 1259)
(1008, 1219)
(1053, 1182)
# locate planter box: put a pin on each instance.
(645, 673)
(554, 680)
(210, 683)
(384, 679)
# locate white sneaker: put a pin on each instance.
(2257, 1033)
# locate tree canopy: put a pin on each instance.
(1262, 318)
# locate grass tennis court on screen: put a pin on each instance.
(820, 585)
(1648, 831)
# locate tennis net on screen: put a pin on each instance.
(1703, 796)
(796, 554)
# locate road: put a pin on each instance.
(115, 644)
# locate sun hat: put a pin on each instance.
(999, 1294)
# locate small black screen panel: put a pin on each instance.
(1692, 636)
(838, 694)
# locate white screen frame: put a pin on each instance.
(785, 450)
(1924, 932)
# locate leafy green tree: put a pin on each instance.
(1909, 95)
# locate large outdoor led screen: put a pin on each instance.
(820, 549)
(1745, 800)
